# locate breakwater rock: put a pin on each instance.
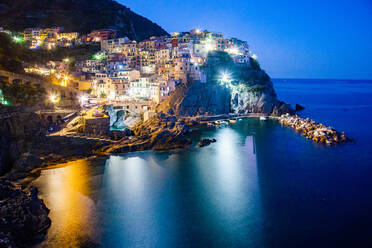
(206, 142)
(319, 133)
(160, 132)
(24, 217)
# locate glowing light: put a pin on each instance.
(3, 101)
(99, 56)
(254, 56)
(67, 60)
(53, 98)
(65, 80)
(198, 31)
(225, 77)
(233, 51)
(83, 99)
(17, 39)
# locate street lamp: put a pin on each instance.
(53, 98)
(64, 81)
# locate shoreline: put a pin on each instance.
(176, 128)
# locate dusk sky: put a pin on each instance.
(292, 39)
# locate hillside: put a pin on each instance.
(80, 16)
(250, 90)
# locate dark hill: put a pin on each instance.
(80, 16)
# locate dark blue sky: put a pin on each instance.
(293, 39)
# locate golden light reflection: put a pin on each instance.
(72, 210)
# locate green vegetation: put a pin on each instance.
(218, 63)
(99, 56)
(26, 94)
(220, 68)
(254, 64)
(13, 54)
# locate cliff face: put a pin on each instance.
(19, 129)
(248, 90)
(76, 16)
(198, 99)
(257, 95)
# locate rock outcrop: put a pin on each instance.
(317, 132)
(160, 132)
(24, 217)
(206, 142)
(19, 130)
(197, 99)
(24, 145)
(249, 90)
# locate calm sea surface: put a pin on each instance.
(259, 185)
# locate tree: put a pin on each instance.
(26, 94)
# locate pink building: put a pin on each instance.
(100, 35)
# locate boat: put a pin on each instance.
(263, 118)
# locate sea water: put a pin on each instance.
(259, 185)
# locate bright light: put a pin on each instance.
(233, 51)
(254, 56)
(17, 39)
(225, 77)
(99, 56)
(83, 99)
(198, 31)
(53, 98)
(67, 60)
(64, 81)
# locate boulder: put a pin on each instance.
(299, 107)
(24, 217)
(206, 142)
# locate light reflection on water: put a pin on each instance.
(166, 199)
(67, 192)
(290, 193)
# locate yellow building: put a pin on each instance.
(68, 36)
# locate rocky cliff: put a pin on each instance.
(24, 145)
(76, 16)
(197, 98)
(19, 130)
(245, 89)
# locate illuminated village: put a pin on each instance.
(126, 70)
(116, 133)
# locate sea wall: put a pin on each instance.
(317, 132)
